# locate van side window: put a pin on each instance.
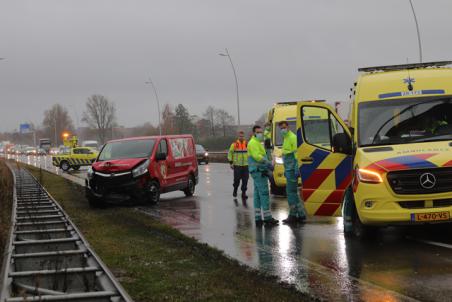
(77, 151)
(316, 126)
(163, 147)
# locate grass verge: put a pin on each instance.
(155, 262)
(6, 201)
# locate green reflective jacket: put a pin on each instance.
(238, 153)
(290, 143)
(256, 155)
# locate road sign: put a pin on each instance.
(25, 128)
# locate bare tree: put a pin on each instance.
(168, 120)
(100, 114)
(224, 120)
(210, 115)
(56, 121)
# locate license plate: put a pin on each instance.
(436, 216)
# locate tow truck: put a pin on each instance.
(76, 156)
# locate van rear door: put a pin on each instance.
(325, 174)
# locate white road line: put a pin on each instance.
(445, 245)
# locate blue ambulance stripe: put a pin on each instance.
(318, 157)
(412, 162)
(291, 118)
(433, 91)
(423, 92)
(299, 137)
(343, 170)
(389, 95)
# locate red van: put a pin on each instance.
(141, 168)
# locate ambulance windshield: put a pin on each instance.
(404, 121)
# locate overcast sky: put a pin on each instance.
(62, 51)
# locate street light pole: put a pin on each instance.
(158, 101)
(418, 32)
(236, 84)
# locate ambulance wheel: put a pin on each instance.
(275, 190)
(76, 168)
(190, 190)
(358, 229)
(154, 192)
(65, 166)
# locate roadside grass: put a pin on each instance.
(6, 201)
(155, 262)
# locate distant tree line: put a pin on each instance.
(215, 127)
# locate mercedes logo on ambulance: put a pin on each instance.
(427, 180)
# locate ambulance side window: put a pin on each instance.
(316, 126)
(77, 151)
(336, 127)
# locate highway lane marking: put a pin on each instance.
(440, 244)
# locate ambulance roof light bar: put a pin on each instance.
(294, 103)
(405, 66)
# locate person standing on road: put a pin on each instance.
(259, 168)
(268, 140)
(297, 212)
(238, 160)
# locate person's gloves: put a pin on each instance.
(231, 165)
(297, 173)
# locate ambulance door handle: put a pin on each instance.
(307, 160)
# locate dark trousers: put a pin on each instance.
(241, 174)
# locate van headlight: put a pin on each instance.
(90, 173)
(141, 169)
(279, 160)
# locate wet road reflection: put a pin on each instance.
(398, 264)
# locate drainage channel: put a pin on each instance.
(47, 258)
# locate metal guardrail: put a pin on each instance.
(47, 258)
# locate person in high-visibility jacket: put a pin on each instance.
(297, 211)
(260, 167)
(268, 140)
(238, 160)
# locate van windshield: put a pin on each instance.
(404, 121)
(278, 136)
(127, 149)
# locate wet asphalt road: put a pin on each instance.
(399, 264)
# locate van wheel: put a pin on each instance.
(65, 166)
(94, 202)
(154, 192)
(190, 190)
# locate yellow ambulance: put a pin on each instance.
(393, 164)
(284, 111)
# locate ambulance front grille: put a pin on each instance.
(409, 181)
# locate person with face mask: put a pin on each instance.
(238, 160)
(297, 213)
(268, 140)
(259, 168)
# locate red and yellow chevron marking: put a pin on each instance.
(324, 182)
